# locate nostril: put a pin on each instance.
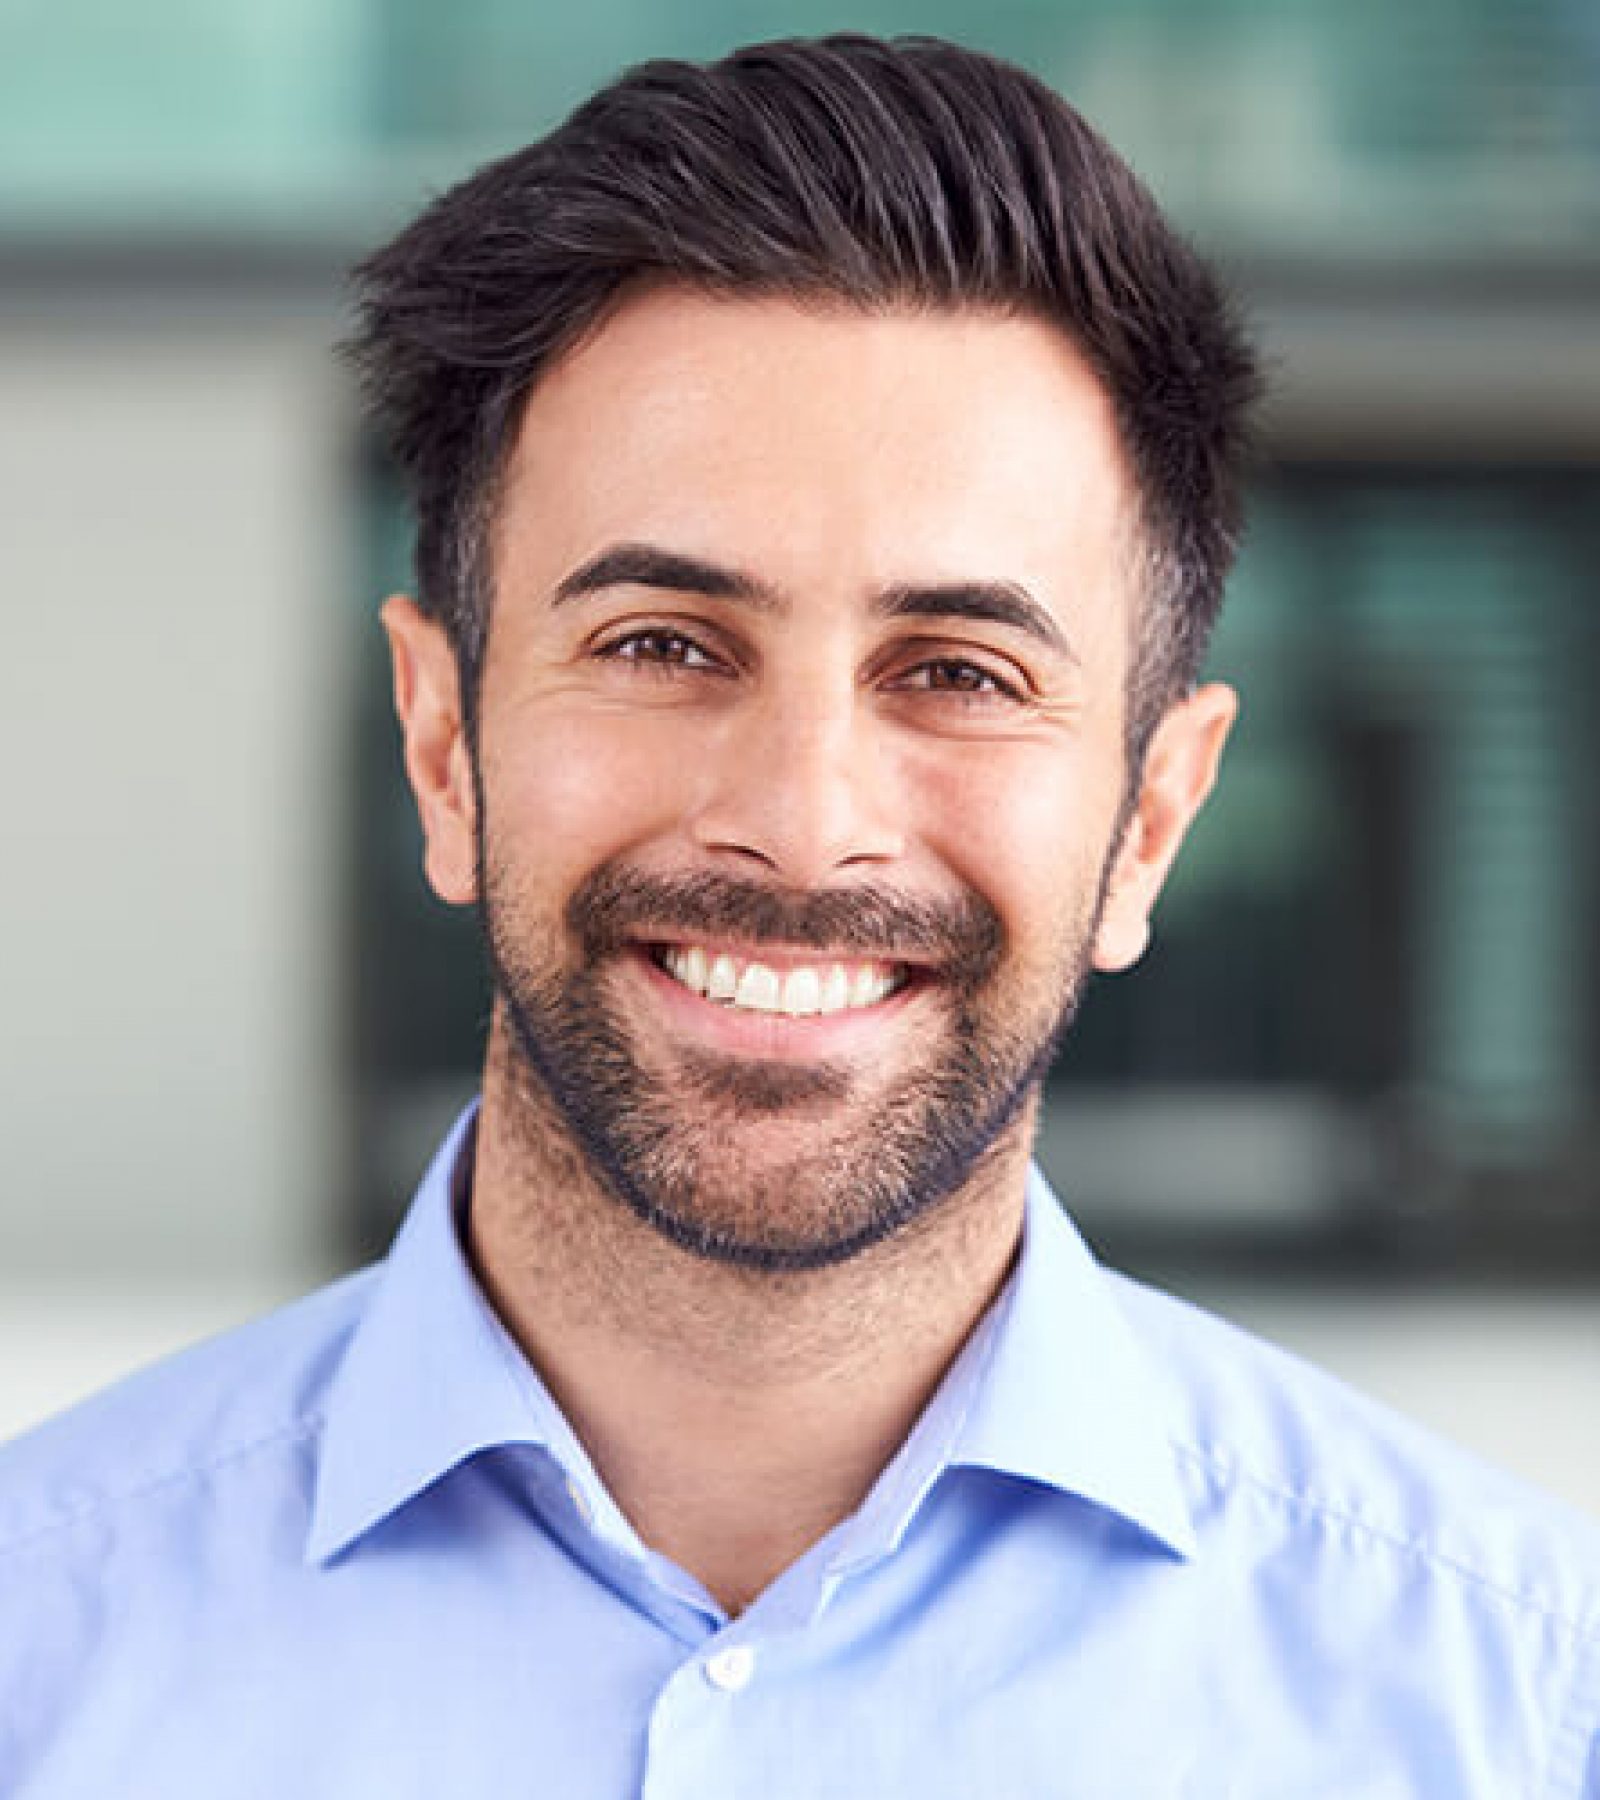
(745, 853)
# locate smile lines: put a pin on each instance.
(802, 991)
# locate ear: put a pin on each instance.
(1180, 765)
(427, 701)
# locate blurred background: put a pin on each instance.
(1350, 1096)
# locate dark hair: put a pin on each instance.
(878, 173)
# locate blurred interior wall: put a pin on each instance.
(172, 687)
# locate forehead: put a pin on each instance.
(822, 443)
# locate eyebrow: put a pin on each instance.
(1005, 603)
(996, 602)
(647, 565)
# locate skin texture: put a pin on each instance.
(751, 754)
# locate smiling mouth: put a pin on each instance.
(796, 990)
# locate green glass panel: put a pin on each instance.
(177, 98)
(1415, 129)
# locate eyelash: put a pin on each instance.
(996, 687)
(666, 650)
(632, 647)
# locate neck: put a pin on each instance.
(735, 1415)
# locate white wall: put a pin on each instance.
(173, 595)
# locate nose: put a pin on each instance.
(799, 783)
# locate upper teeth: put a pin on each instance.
(809, 988)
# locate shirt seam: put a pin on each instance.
(107, 1502)
(1577, 1724)
(1576, 1626)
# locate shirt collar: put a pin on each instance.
(1068, 1397)
(430, 1376)
(1054, 1389)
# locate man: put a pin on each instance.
(827, 468)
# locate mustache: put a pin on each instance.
(615, 906)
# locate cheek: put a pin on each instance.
(1029, 829)
(566, 787)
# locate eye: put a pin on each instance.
(659, 646)
(960, 677)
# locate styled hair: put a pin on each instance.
(909, 172)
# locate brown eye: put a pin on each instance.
(959, 677)
(955, 675)
(660, 648)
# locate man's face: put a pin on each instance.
(798, 812)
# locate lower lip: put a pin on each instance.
(775, 1037)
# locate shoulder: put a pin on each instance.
(251, 1393)
(1385, 1571)
(1309, 1459)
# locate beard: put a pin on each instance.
(688, 1148)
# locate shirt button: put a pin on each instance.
(732, 1668)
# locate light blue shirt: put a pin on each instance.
(1128, 1553)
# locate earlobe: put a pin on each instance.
(1121, 940)
(427, 701)
(1180, 769)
